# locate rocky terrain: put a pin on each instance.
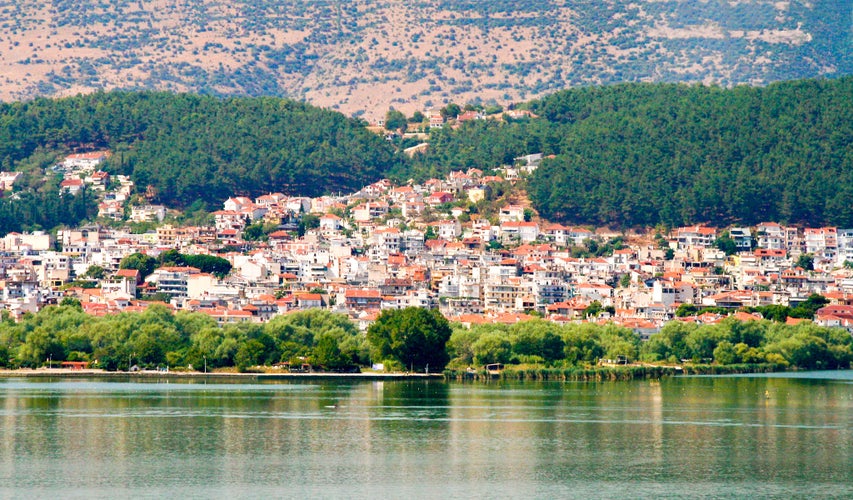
(364, 56)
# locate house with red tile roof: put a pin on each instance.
(362, 300)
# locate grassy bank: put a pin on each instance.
(586, 374)
(610, 373)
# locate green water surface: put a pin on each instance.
(776, 436)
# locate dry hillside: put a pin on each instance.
(362, 56)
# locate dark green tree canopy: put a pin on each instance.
(806, 261)
(192, 147)
(45, 209)
(157, 337)
(642, 154)
(450, 111)
(205, 263)
(145, 264)
(413, 336)
(395, 120)
(621, 155)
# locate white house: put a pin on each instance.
(523, 232)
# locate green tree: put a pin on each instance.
(670, 343)
(298, 334)
(806, 261)
(327, 353)
(593, 309)
(139, 261)
(250, 353)
(39, 347)
(778, 313)
(809, 307)
(413, 336)
(494, 245)
(71, 302)
(307, 222)
(450, 111)
(417, 117)
(460, 345)
(212, 264)
(726, 244)
(724, 353)
(492, 347)
(617, 341)
(582, 343)
(395, 120)
(685, 310)
(254, 232)
(95, 272)
(537, 338)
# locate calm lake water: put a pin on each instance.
(788, 435)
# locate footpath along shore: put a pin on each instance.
(175, 375)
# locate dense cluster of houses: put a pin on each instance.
(390, 246)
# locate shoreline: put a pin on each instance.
(614, 373)
(68, 373)
(589, 374)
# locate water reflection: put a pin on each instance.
(702, 436)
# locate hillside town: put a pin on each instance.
(424, 244)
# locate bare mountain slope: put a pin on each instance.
(363, 56)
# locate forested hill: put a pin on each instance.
(193, 147)
(624, 155)
(643, 154)
(361, 56)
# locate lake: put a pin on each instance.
(776, 435)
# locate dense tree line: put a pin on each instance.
(402, 339)
(191, 147)
(643, 154)
(44, 209)
(805, 345)
(410, 338)
(483, 144)
(623, 155)
(158, 338)
(540, 342)
(729, 342)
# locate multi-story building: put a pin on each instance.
(362, 300)
(844, 239)
(172, 280)
(821, 242)
(695, 236)
(742, 237)
(148, 213)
